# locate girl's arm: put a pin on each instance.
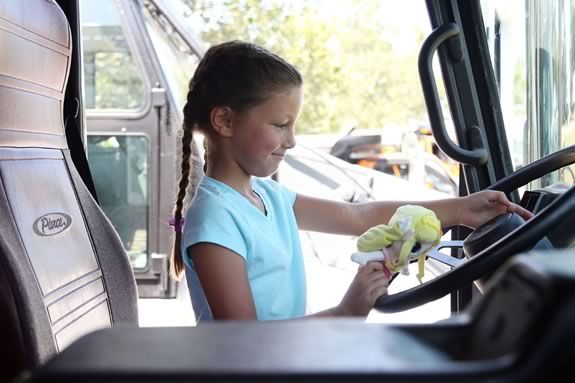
(223, 276)
(369, 284)
(346, 218)
(224, 280)
(335, 217)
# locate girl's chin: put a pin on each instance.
(263, 169)
(270, 170)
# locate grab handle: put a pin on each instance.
(474, 157)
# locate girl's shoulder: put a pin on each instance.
(210, 196)
(267, 183)
(208, 210)
(274, 189)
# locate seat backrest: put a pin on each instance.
(63, 269)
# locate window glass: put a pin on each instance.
(531, 44)
(111, 77)
(505, 31)
(119, 165)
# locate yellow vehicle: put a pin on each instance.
(417, 150)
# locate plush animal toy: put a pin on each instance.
(411, 233)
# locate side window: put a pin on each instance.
(112, 78)
(119, 164)
(534, 63)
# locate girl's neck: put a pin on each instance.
(240, 183)
(236, 178)
(223, 168)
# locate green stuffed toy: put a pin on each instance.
(411, 233)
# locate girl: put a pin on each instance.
(240, 246)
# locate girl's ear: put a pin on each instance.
(221, 119)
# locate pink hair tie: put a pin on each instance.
(176, 224)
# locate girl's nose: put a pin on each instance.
(289, 141)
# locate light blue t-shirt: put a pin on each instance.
(269, 243)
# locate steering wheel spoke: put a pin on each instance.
(444, 258)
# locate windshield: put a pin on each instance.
(533, 55)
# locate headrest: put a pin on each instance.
(35, 50)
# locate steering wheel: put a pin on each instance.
(491, 258)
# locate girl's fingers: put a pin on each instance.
(377, 279)
(501, 198)
(378, 292)
(371, 266)
(524, 213)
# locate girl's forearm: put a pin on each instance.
(370, 214)
(329, 313)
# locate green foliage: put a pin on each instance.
(118, 82)
(351, 72)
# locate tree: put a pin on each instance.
(352, 74)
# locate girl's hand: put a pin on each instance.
(369, 284)
(480, 207)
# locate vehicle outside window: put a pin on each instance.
(131, 121)
(115, 83)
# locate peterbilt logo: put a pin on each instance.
(52, 224)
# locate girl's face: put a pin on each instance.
(263, 134)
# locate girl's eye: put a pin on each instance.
(281, 126)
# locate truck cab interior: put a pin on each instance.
(68, 292)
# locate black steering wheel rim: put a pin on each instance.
(535, 170)
(488, 260)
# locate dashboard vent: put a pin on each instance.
(530, 200)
